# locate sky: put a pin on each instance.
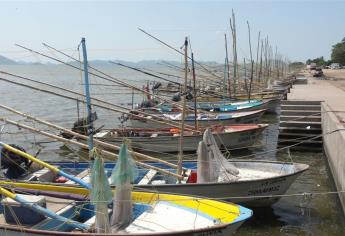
(299, 29)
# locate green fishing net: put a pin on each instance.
(125, 169)
(100, 191)
(122, 176)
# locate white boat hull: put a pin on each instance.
(253, 193)
(251, 118)
(231, 140)
(257, 182)
(226, 230)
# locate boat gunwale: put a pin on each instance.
(306, 167)
(303, 168)
(181, 232)
(214, 129)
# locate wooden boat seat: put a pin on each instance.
(43, 175)
(148, 177)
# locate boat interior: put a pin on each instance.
(248, 171)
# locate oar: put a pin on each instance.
(44, 164)
(41, 210)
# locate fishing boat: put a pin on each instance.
(242, 105)
(202, 118)
(259, 95)
(249, 182)
(132, 213)
(260, 183)
(167, 139)
(153, 214)
(63, 210)
(226, 106)
(217, 106)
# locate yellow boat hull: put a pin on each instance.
(225, 212)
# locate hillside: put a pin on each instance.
(6, 61)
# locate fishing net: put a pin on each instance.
(100, 193)
(203, 167)
(220, 167)
(122, 176)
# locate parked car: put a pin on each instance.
(312, 66)
(335, 66)
(317, 72)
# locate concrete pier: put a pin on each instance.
(300, 124)
(332, 122)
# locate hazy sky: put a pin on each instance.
(300, 29)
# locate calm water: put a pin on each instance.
(298, 215)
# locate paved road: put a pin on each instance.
(321, 90)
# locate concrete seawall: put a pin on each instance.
(332, 121)
(334, 147)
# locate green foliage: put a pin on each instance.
(338, 52)
(297, 65)
(320, 61)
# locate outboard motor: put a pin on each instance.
(176, 97)
(80, 126)
(156, 85)
(189, 96)
(16, 165)
(147, 104)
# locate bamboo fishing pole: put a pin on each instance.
(252, 63)
(245, 76)
(180, 156)
(166, 74)
(144, 72)
(85, 146)
(112, 79)
(275, 61)
(103, 75)
(82, 95)
(194, 90)
(266, 59)
(171, 47)
(202, 77)
(169, 65)
(84, 137)
(270, 55)
(157, 119)
(234, 48)
(227, 66)
(257, 56)
(261, 51)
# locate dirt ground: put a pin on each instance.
(335, 77)
(338, 74)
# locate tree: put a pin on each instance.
(297, 65)
(338, 52)
(319, 61)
